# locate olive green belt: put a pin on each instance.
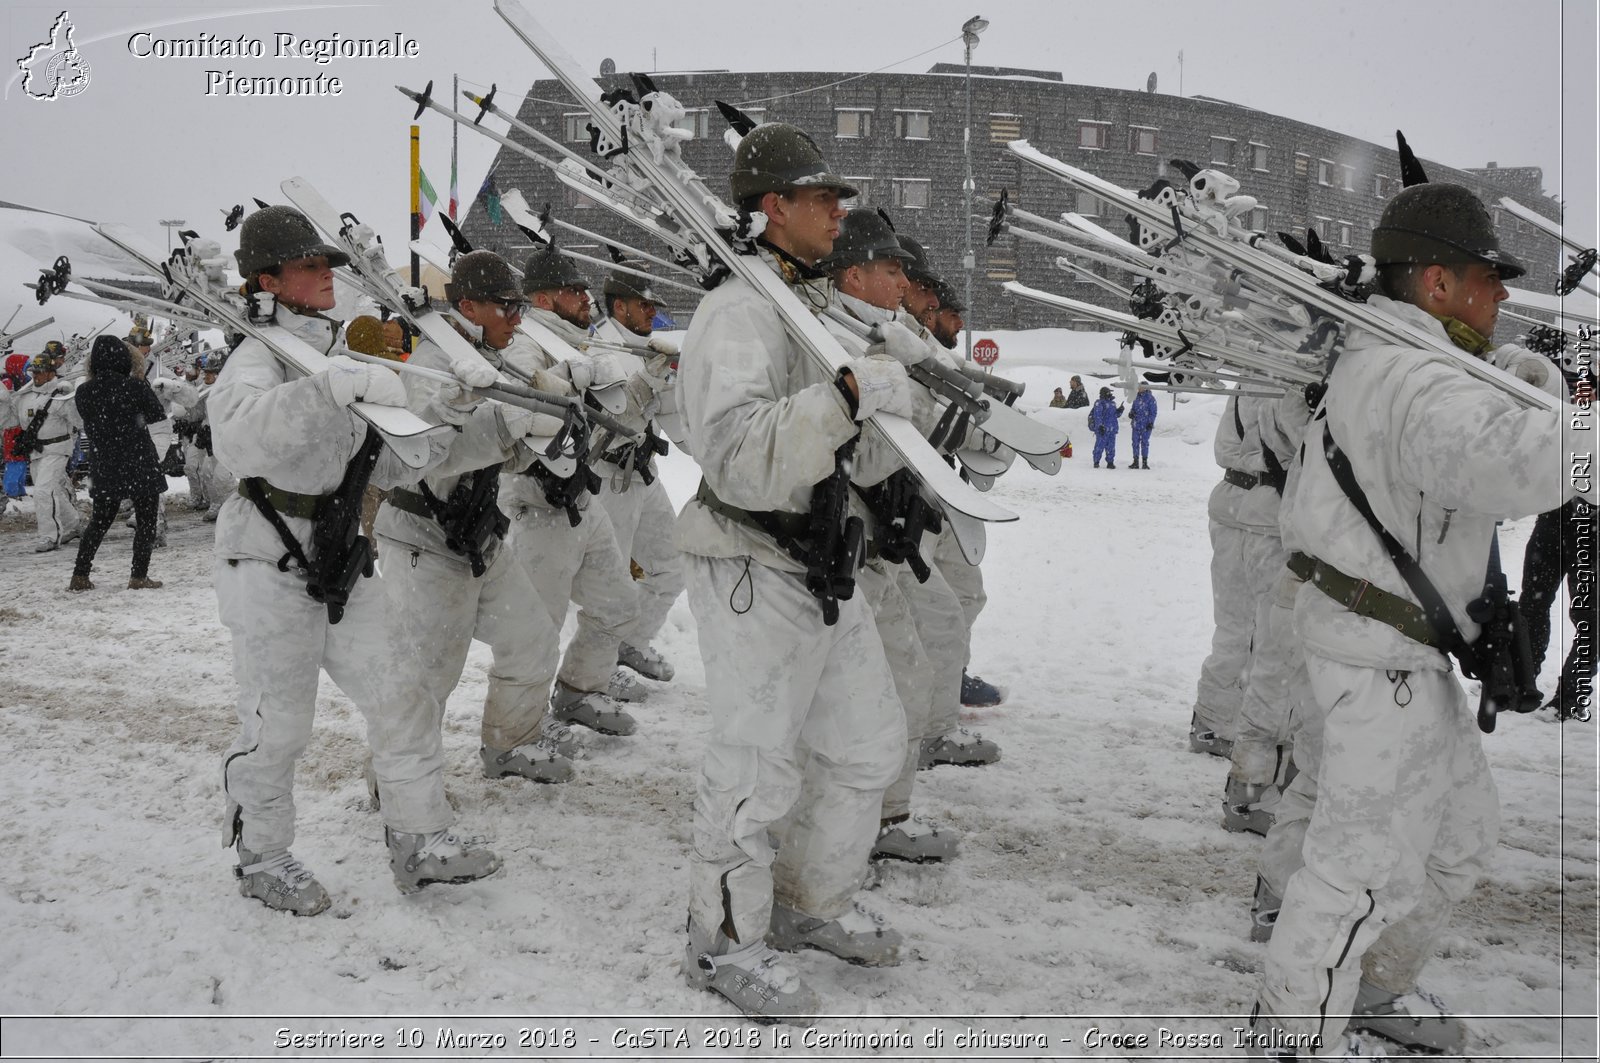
(410, 502)
(1363, 599)
(287, 502)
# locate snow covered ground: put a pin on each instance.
(1094, 887)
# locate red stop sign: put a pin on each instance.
(986, 352)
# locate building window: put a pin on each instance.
(1222, 151)
(852, 125)
(1002, 265)
(1324, 171)
(1258, 156)
(1004, 128)
(1302, 164)
(1088, 205)
(1093, 135)
(1347, 178)
(1345, 235)
(913, 125)
(575, 199)
(577, 128)
(1142, 140)
(1382, 186)
(696, 121)
(914, 193)
(758, 115)
(1324, 227)
(1258, 219)
(863, 195)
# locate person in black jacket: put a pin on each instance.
(115, 408)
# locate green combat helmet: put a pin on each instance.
(620, 285)
(482, 275)
(917, 266)
(949, 299)
(1439, 223)
(865, 236)
(778, 157)
(548, 268)
(275, 235)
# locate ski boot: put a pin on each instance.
(624, 687)
(960, 747)
(540, 760)
(859, 936)
(1204, 740)
(752, 977)
(1264, 911)
(1247, 807)
(1415, 1020)
(419, 860)
(646, 661)
(591, 709)
(280, 882)
(977, 693)
(912, 840)
(44, 546)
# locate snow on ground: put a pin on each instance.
(1094, 883)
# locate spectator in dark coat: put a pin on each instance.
(1077, 398)
(115, 408)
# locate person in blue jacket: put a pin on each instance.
(1142, 415)
(1103, 423)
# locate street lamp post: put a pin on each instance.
(969, 38)
(171, 224)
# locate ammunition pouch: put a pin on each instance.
(470, 517)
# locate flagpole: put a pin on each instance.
(455, 135)
(416, 203)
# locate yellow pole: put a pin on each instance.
(416, 201)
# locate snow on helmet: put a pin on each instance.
(778, 157)
(275, 235)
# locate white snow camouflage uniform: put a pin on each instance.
(641, 514)
(56, 515)
(439, 605)
(1246, 552)
(782, 686)
(293, 433)
(1406, 813)
(921, 625)
(580, 564)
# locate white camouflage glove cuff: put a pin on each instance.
(474, 373)
(900, 343)
(883, 387)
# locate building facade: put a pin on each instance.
(899, 138)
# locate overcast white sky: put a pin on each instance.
(1468, 81)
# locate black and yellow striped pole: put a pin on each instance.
(416, 202)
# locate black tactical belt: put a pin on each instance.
(286, 502)
(1240, 478)
(47, 442)
(1363, 599)
(410, 502)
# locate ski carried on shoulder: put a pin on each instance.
(641, 149)
(191, 275)
(1248, 252)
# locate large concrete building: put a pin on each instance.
(899, 137)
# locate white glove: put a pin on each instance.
(474, 372)
(661, 346)
(1535, 371)
(353, 381)
(607, 370)
(900, 343)
(883, 387)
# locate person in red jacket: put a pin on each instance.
(16, 465)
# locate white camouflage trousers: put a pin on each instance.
(1274, 682)
(908, 664)
(781, 687)
(642, 518)
(1244, 565)
(1405, 818)
(936, 610)
(281, 641)
(581, 565)
(966, 581)
(53, 507)
(441, 608)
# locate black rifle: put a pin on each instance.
(471, 516)
(837, 539)
(902, 515)
(563, 492)
(27, 440)
(343, 555)
(1501, 656)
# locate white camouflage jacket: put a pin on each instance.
(290, 432)
(764, 421)
(1441, 457)
(1277, 424)
(55, 396)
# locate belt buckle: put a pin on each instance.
(1361, 590)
